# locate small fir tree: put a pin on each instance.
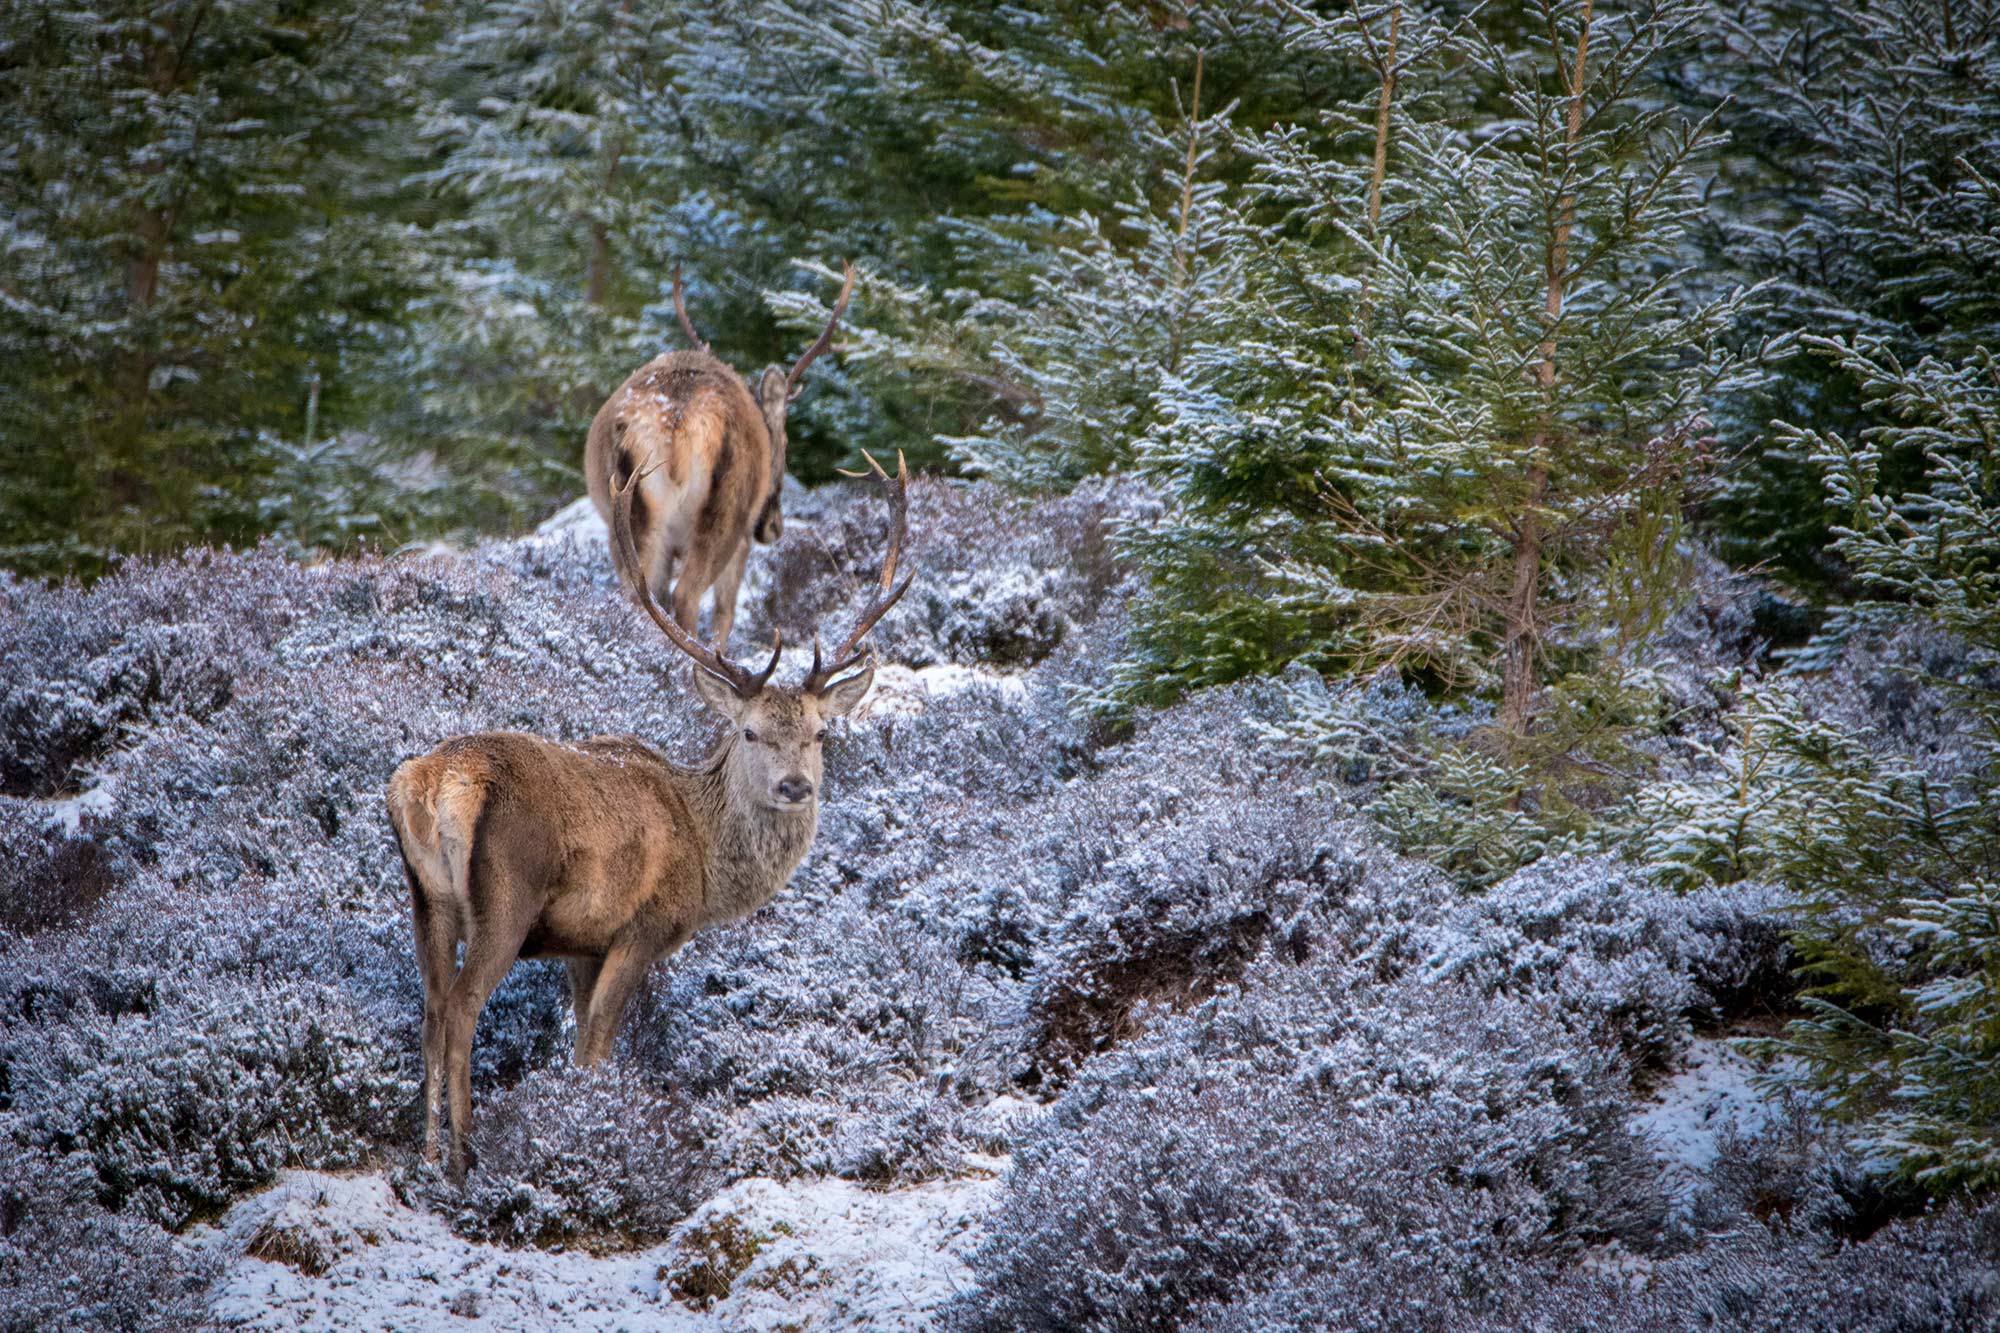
(1860, 185)
(1455, 434)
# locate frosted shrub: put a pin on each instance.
(67, 1265)
(1179, 912)
(1592, 937)
(917, 1140)
(995, 586)
(1411, 1137)
(1936, 1274)
(154, 643)
(182, 1108)
(583, 1155)
(48, 877)
(1376, 728)
(821, 1041)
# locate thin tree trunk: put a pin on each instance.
(1183, 265)
(1523, 638)
(142, 282)
(600, 231)
(600, 235)
(1380, 169)
(152, 229)
(1382, 120)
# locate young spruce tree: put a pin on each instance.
(1452, 430)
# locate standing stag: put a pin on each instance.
(710, 459)
(604, 853)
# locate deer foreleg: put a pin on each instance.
(625, 968)
(582, 988)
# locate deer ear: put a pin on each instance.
(717, 693)
(839, 698)
(774, 391)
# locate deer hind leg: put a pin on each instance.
(582, 986)
(698, 573)
(502, 911)
(436, 933)
(726, 584)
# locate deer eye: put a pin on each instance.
(820, 737)
(750, 735)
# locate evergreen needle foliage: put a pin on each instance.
(1464, 392)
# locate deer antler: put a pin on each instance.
(680, 308)
(625, 554)
(825, 339)
(888, 591)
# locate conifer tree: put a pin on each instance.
(194, 204)
(1860, 184)
(1900, 926)
(1457, 438)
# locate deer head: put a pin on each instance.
(774, 756)
(776, 388)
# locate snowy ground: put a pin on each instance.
(320, 1251)
(1714, 1091)
(323, 1251)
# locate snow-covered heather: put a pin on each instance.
(1060, 1025)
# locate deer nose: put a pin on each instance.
(795, 789)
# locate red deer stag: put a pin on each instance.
(604, 853)
(712, 460)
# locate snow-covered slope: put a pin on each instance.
(1063, 1023)
(322, 1252)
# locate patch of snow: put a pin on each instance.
(1003, 1119)
(68, 812)
(321, 1251)
(902, 691)
(579, 516)
(1616, 1262)
(1686, 1115)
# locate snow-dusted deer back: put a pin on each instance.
(713, 457)
(603, 852)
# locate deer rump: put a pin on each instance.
(686, 425)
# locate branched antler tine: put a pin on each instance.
(625, 556)
(850, 653)
(825, 339)
(897, 489)
(680, 308)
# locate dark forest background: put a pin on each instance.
(352, 271)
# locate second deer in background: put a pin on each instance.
(711, 463)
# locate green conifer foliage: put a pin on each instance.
(1900, 913)
(1451, 427)
(1860, 183)
(193, 208)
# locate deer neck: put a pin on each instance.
(753, 847)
